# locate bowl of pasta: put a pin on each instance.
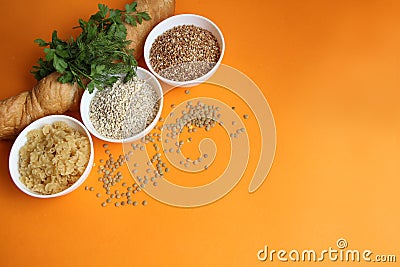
(51, 157)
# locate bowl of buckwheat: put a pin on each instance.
(184, 50)
(125, 112)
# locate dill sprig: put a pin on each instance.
(99, 56)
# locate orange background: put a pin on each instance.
(330, 72)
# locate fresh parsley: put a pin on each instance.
(99, 55)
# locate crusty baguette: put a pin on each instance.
(50, 97)
(158, 11)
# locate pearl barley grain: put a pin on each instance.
(124, 109)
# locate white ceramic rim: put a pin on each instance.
(147, 47)
(87, 97)
(14, 154)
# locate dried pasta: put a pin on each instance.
(53, 158)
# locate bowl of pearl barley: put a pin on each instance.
(184, 50)
(125, 112)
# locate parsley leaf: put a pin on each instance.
(98, 56)
(130, 8)
(41, 42)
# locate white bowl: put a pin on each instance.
(184, 19)
(21, 140)
(87, 98)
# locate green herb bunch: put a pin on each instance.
(99, 55)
